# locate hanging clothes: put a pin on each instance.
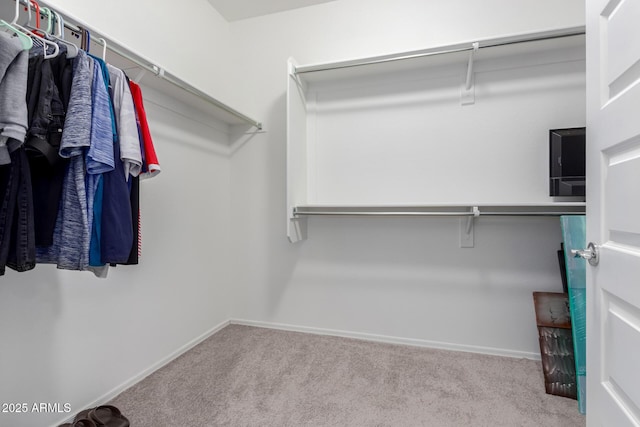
(17, 239)
(136, 248)
(128, 138)
(13, 86)
(117, 229)
(100, 160)
(48, 92)
(72, 231)
(130, 149)
(17, 245)
(151, 165)
(70, 193)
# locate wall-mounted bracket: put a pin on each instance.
(291, 66)
(468, 92)
(467, 229)
(296, 227)
(158, 71)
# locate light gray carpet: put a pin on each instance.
(245, 376)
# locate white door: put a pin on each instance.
(613, 212)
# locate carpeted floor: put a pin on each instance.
(246, 376)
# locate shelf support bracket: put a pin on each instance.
(158, 71)
(296, 227)
(140, 75)
(293, 74)
(467, 229)
(468, 92)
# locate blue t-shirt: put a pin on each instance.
(116, 237)
(99, 157)
(70, 249)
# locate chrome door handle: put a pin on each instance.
(590, 254)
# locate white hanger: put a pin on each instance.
(47, 43)
(104, 48)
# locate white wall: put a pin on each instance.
(67, 337)
(187, 38)
(400, 279)
(406, 139)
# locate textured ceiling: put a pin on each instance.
(234, 10)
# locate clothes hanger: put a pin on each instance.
(85, 44)
(49, 14)
(28, 9)
(25, 40)
(87, 36)
(58, 35)
(104, 48)
(28, 24)
(38, 40)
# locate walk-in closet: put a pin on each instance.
(334, 212)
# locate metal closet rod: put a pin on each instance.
(390, 213)
(338, 213)
(149, 66)
(459, 47)
(474, 212)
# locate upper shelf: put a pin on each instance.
(443, 55)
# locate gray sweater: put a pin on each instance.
(14, 62)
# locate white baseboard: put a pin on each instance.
(390, 339)
(151, 369)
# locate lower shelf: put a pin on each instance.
(297, 229)
(556, 209)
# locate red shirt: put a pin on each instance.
(150, 164)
